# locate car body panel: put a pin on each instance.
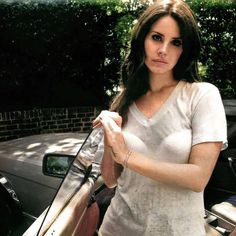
(7, 187)
(74, 194)
(21, 164)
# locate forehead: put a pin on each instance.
(167, 26)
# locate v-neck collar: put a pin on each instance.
(157, 115)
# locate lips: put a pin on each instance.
(159, 61)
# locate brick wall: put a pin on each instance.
(15, 124)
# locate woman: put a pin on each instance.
(165, 131)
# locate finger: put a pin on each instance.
(110, 124)
(113, 125)
(107, 129)
(116, 117)
(97, 121)
(113, 115)
(98, 125)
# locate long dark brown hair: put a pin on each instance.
(134, 73)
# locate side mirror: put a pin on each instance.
(57, 165)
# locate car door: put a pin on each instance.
(64, 215)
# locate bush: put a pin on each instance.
(57, 55)
(69, 54)
(217, 24)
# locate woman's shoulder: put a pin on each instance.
(193, 93)
(199, 88)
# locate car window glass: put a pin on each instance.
(81, 169)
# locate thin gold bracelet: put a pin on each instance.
(125, 163)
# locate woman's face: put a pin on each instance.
(163, 46)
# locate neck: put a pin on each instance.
(160, 82)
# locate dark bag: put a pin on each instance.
(103, 199)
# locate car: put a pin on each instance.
(220, 193)
(82, 181)
(9, 206)
(70, 211)
(24, 190)
(82, 198)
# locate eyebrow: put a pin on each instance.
(180, 38)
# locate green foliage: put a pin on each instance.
(210, 3)
(123, 31)
(109, 6)
(217, 24)
(59, 54)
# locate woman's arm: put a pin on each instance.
(194, 175)
(110, 169)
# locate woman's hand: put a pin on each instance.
(111, 168)
(114, 139)
(113, 115)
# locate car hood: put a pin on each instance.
(23, 157)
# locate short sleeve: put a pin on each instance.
(209, 120)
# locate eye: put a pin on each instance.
(177, 42)
(156, 37)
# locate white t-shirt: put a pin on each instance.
(192, 114)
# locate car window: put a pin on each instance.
(82, 174)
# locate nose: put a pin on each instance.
(163, 49)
